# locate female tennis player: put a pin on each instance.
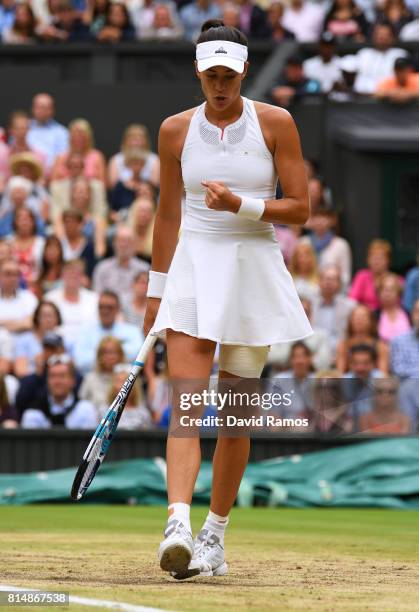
(225, 280)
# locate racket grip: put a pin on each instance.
(145, 349)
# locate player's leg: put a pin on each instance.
(190, 362)
(240, 366)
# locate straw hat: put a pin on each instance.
(26, 158)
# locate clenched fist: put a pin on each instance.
(219, 197)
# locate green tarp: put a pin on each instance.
(383, 473)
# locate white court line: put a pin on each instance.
(86, 601)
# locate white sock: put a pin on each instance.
(182, 512)
(217, 524)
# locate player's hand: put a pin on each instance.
(219, 197)
(153, 305)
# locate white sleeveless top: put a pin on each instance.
(238, 157)
(228, 281)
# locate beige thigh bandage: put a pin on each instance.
(244, 361)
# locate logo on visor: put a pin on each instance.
(221, 50)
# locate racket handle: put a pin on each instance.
(144, 350)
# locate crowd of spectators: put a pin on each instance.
(75, 250)
(106, 21)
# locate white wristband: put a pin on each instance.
(156, 284)
(251, 208)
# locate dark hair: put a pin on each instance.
(111, 5)
(363, 348)
(111, 294)
(214, 29)
(294, 60)
(45, 265)
(384, 23)
(402, 63)
(32, 216)
(37, 312)
(301, 345)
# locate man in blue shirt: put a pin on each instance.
(193, 16)
(46, 134)
(86, 343)
(7, 14)
(404, 351)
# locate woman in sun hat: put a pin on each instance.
(225, 280)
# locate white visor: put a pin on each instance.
(221, 53)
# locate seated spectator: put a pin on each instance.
(318, 343)
(141, 220)
(134, 305)
(23, 30)
(45, 133)
(97, 384)
(136, 415)
(65, 25)
(126, 191)
(118, 26)
(6, 351)
(396, 13)
(135, 136)
(358, 381)
(61, 190)
(319, 195)
(411, 288)
(117, 273)
(252, 20)
(7, 14)
(28, 345)
(74, 242)
(16, 305)
(304, 270)
(8, 414)
(385, 417)
(362, 329)
(343, 89)
(60, 406)
(403, 86)
(142, 15)
(346, 21)
(296, 381)
(82, 142)
(77, 305)
(19, 124)
(95, 15)
(275, 17)
(17, 197)
(165, 25)
(94, 226)
(327, 412)
(231, 15)
(329, 248)
(367, 281)
(331, 309)
(392, 321)
(34, 385)
(194, 14)
(377, 63)
(292, 84)
(50, 275)
(27, 165)
(324, 67)
(26, 247)
(89, 336)
(404, 349)
(304, 19)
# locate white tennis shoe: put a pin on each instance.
(177, 548)
(208, 558)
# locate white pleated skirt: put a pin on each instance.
(232, 289)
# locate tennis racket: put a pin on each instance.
(104, 434)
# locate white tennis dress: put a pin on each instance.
(227, 281)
